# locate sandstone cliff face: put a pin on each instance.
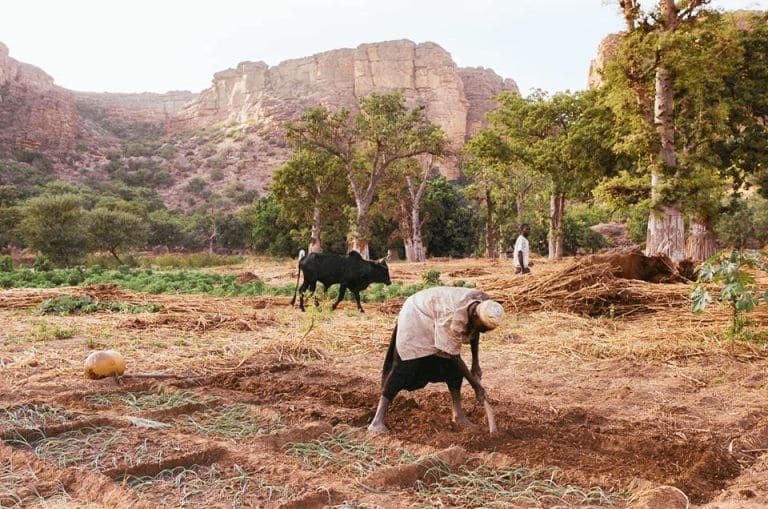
(455, 99)
(606, 50)
(481, 85)
(34, 113)
(145, 106)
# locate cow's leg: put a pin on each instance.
(303, 289)
(342, 292)
(356, 293)
(312, 290)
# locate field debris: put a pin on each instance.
(586, 289)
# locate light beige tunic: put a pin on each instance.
(434, 321)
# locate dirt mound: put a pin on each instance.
(196, 322)
(424, 470)
(587, 288)
(246, 277)
(636, 265)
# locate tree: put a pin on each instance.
(115, 230)
(56, 227)
(385, 131)
(487, 171)
(311, 188)
(452, 224)
(567, 137)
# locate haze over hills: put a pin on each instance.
(229, 135)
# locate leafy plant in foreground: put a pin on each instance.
(737, 286)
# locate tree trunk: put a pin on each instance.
(556, 233)
(113, 252)
(666, 233)
(520, 206)
(490, 233)
(314, 242)
(417, 240)
(359, 234)
(701, 243)
(212, 236)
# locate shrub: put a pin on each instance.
(736, 287)
(431, 278)
(6, 263)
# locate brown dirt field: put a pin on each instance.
(249, 403)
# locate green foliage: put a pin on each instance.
(188, 261)
(44, 331)
(6, 263)
(742, 221)
(115, 230)
(737, 287)
(431, 278)
(41, 263)
(578, 237)
(65, 305)
(452, 224)
(269, 234)
(56, 227)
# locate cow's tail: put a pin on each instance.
(302, 254)
(390, 358)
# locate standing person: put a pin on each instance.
(425, 346)
(522, 251)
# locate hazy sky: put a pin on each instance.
(160, 45)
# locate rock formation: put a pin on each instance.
(34, 113)
(231, 134)
(606, 50)
(455, 99)
(146, 106)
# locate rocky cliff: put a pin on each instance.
(606, 50)
(145, 106)
(230, 136)
(34, 113)
(455, 99)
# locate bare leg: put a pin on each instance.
(458, 412)
(377, 424)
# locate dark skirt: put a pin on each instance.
(414, 374)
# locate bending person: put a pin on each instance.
(425, 346)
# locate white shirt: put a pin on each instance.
(521, 246)
(435, 320)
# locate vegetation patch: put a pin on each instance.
(32, 416)
(232, 421)
(142, 401)
(16, 490)
(99, 448)
(64, 305)
(485, 486)
(347, 453)
(208, 486)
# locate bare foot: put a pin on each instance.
(378, 428)
(463, 421)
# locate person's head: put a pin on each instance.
(485, 315)
(524, 230)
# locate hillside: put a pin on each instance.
(226, 141)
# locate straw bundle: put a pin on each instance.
(586, 289)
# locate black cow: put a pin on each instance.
(350, 271)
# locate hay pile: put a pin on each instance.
(587, 290)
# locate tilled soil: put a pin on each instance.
(234, 416)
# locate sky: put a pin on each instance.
(161, 45)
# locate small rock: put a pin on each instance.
(660, 497)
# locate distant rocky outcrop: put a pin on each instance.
(455, 99)
(34, 113)
(230, 136)
(144, 106)
(606, 51)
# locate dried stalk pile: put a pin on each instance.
(587, 290)
(193, 322)
(27, 298)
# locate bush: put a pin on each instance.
(6, 263)
(431, 278)
(577, 233)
